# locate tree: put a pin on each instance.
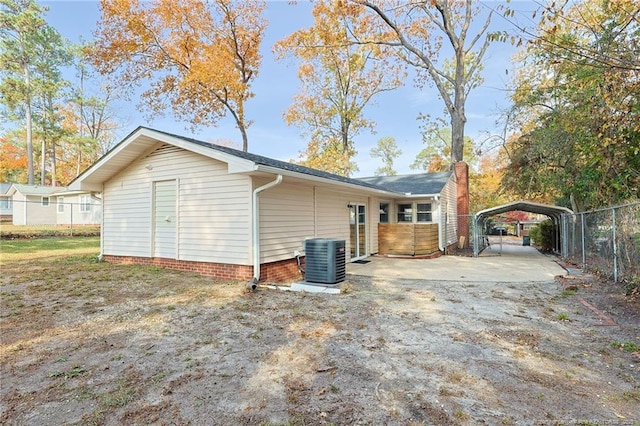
(199, 56)
(436, 155)
(20, 25)
(13, 161)
(90, 118)
(387, 150)
(417, 31)
(339, 79)
(579, 117)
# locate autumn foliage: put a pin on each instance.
(199, 57)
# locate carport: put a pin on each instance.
(555, 213)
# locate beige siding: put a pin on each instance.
(28, 210)
(332, 215)
(213, 208)
(448, 212)
(373, 217)
(286, 219)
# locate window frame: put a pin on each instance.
(428, 213)
(385, 213)
(85, 203)
(6, 203)
(45, 201)
(60, 205)
(404, 212)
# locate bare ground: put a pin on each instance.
(93, 343)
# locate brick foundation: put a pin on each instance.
(281, 271)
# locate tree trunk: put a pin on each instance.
(43, 163)
(54, 167)
(458, 121)
(29, 123)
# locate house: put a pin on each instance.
(53, 205)
(32, 204)
(78, 208)
(6, 204)
(186, 204)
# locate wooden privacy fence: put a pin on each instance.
(408, 239)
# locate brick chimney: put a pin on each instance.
(461, 170)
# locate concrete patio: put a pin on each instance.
(499, 263)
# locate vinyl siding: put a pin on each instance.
(72, 202)
(449, 208)
(291, 213)
(28, 210)
(332, 215)
(373, 218)
(213, 208)
(286, 220)
(19, 207)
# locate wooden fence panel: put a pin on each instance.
(407, 239)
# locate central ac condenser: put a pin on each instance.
(325, 260)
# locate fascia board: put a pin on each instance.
(275, 170)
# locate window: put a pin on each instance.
(85, 203)
(405, 213)
(60, 204)
(44, 201)
(5, 203)
(424, 212)
(384, 212)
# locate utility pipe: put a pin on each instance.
(256, 231)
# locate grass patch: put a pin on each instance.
(8, 231)
(626, 346)
(39, 248)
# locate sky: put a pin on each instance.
(395, 113)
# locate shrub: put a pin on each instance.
(542, 235)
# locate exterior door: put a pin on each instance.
(358, 231)
(164, 219)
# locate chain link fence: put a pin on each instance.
(50, 211)
(605, 241)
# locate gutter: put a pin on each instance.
(256, 230)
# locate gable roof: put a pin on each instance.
(412, 185)
(4, 187)
(34, 189)
(142, 139)
(277, 164)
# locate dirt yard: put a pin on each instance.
(93, 343)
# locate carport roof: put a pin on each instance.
(527, 206)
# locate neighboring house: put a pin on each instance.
(78, 208)
(53, 205)
(33, 204)
(190, 205)
(6, 204)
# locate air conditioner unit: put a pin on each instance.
(325, 260)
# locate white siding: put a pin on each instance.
(71, 212)
(286, 219)
(19, 209)
(213, 208)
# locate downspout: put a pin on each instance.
(256, 231)
(101, 255)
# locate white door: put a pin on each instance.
(164, 219)
(358, 231)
